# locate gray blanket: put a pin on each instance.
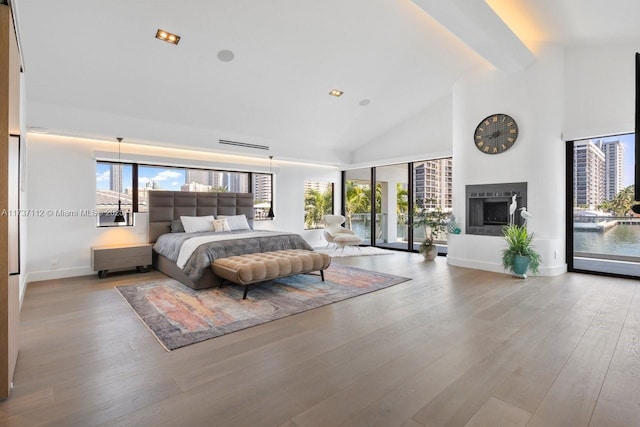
(169, 246)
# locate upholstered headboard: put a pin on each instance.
(165, 206)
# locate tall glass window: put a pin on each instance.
(401, 192)
(318, 202)
(432, 189)
(358, 203)
(605, 232)
(392, 206)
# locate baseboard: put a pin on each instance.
(497, 267)
(36, 276)
(476, 265)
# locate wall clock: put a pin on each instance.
(496, 134)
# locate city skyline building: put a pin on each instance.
(613, 167)
(433, 182)
(588, 174)
(195, 186)
(115, 177)
(202, 177)
(261, 187)
(318, 186)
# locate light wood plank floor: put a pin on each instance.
(452, 347)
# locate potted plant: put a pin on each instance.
(434, 222)
(519, 254)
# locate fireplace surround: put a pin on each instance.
(487, 207)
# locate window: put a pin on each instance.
(604, 229)
(318, 202)
(114, 183)
(380, 202)
(262, 195)
(115, 178)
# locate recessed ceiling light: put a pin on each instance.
(336, 92)
(226, 55)
(365, 102)
(166, 36)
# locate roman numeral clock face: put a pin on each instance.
(496, 134)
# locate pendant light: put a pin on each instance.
(119, 219)
(270, 214)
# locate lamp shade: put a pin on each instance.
(119, 216)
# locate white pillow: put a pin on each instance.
(221, 225)
(237, 222)
(194, 224)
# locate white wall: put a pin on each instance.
(61, 175)
(59, 119)
(535, 99)
(426, 135)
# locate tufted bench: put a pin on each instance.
(259, 267)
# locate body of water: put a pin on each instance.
(621, 240)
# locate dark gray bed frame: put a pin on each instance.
(166, 206)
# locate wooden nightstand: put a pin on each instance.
(105, 258)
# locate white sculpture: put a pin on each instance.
(526, 215)
(512, 208)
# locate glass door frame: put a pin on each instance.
(569, 240)
(372, 197)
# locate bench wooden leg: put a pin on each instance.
(246, 289)
(322, 274)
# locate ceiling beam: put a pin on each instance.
(478, 26)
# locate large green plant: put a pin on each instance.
(519, 243)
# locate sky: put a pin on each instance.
(167, 178)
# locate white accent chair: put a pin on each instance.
(335, 233)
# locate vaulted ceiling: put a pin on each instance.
(392, 58)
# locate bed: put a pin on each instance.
(193, 268)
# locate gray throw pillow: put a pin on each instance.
(176, 226)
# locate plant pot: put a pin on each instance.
(430, 254)
(520, 265)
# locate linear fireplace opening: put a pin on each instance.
(488, 207)
(495, 213)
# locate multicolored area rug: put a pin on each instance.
(179, 316)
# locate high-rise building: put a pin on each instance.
(195, 186)
(236, 182)
(613, 167)
(115, 178)
(203, 177)
(318, 186)
(588, 172)
(433, 181)
(261, 187)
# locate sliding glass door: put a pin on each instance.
(432, 190)
(358, 206)
(392, 207)
(380, 202)
(604, 232)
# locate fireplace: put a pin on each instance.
(488, 207)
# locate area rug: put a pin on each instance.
(350, 251)
(179, 316)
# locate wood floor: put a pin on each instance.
(452, 347)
